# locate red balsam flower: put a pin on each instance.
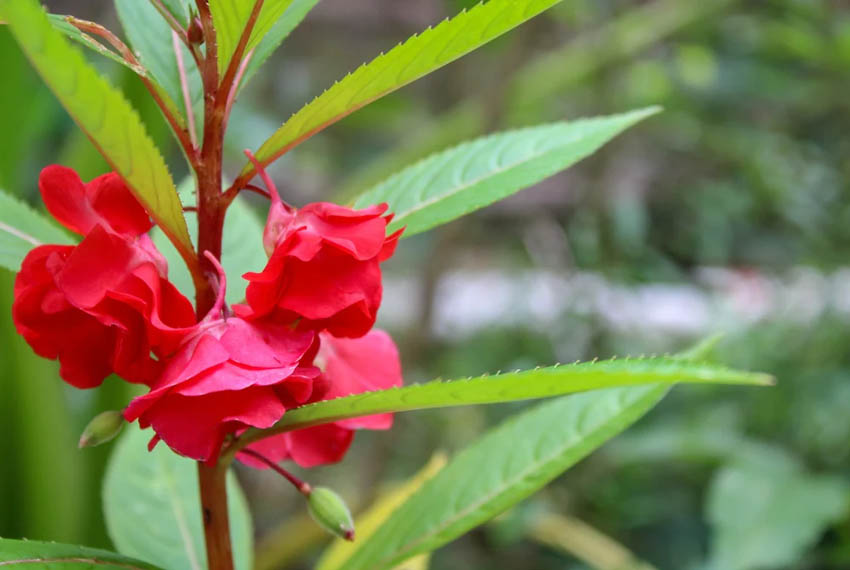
(104, 305)
(349, 366)
(227, 376)
(304, 335)
(323, 272)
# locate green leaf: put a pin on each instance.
(475, 174)
(295, 12)
(511, 386)
(34, 554)
(61, 23)
(418, 56)
(151, 38)
(102, 112)
(767, 513)
(504, 467)
(152, 507)
(230, 18)
(21, 229)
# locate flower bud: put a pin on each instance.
(102, 428)
(195, 33)
(330, 511)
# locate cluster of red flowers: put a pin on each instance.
(304, 334)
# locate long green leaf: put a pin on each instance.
(34, 554)
(151, 38)
(475, 174)
(230, 18)
(504, 467)
(21, 229)
(295, 12)
(102, 112)
(407, 62)
(152, 507)
(511, 386)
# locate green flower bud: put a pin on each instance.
(102, 428)
(330, 511)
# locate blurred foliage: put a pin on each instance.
(748, 168)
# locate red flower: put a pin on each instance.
(227, 376)
(349, 366)
(104, 305)
(324, 271)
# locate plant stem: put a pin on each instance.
(211, 212)
(212, 482)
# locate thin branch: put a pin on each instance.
(302, 486)
(257, 190)
(184, 86)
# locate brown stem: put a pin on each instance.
(212, 482)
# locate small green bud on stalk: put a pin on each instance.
(102, 428)
(330, 511)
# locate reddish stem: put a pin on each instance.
(211, 211)
(302, 486)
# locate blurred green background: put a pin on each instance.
(729, 212)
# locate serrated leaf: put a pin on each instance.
(416, 57)
(152, 507)
(295, 12)
(504, 467)
(230, 18)
(61, 23)
(151, 38)
(21, 229)
(368, 522)
(511, 386)
(102, 112)
(30, 553)
(465, 178)
(766, 513)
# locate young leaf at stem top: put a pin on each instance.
(418, 56)
(232, 16)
